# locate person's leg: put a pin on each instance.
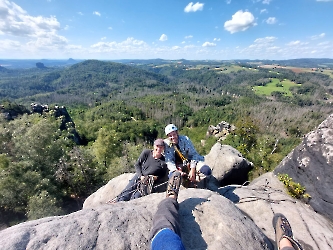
(283, 234)
(166, 216)
(135, 195)
(165, 233)
(126, 194)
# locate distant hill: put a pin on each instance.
(31, 63)
(301, 62)
(81, 82)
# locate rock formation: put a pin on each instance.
(221, 130)
(311, 165)
(228, 165)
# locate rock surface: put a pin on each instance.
(108, 191)
(311, 165)
(208, 220)
(266, 196)
(228, 165)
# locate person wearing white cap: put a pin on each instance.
(181, 155)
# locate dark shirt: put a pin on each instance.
(148, 165)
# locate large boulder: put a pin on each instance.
(208, 221)
(108, 191)
(267, 196)
(311, 165)
(228, 165)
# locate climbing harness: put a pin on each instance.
(145, 187)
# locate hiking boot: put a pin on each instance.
(282, 230)
(173, 185)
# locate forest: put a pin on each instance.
(117, 109)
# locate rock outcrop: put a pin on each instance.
(243, 220)
(221, 130)
(208, 220)
(311, 165)
(266, 196)
(228, 165)
(60, 113)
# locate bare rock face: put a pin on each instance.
(240, 220)
(266, 196)
(228, 165)
(208, 221)
(311, 165)
(108, 191)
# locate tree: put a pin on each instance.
(42, 205)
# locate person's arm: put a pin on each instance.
(186, 146)
(141, 160)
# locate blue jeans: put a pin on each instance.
(130, 192)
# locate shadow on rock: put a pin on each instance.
(190, 230)
(228, 192)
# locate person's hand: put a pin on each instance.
(142, 178)
(191, 175)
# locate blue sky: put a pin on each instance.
(167, 29)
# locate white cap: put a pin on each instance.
(170, 128)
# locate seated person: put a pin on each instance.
(181, 155)
(150, 163)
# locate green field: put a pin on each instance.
(270, 87)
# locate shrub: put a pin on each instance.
(296, 190)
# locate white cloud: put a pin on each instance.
(208, 44)
(15, 21)
(188, 37)
(240, 21)
(110, 28)
(293, 43)
(103, 38)
(265, 40)
(228, 1)
(97, 13)
(323, 43)
(183, 42)
(324, 0)
(163, 37)
(271, 20)
(66, 27)
(9, 45)
(217, 39)
(266, 1)
(80, 13)
(263, 11)
(127, 46)
(262, 1)
(316, 37)
(176, 48)
(194, 7)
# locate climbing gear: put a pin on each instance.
(170, 128)
(283, 230)
(173, 185)
(145, 187)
